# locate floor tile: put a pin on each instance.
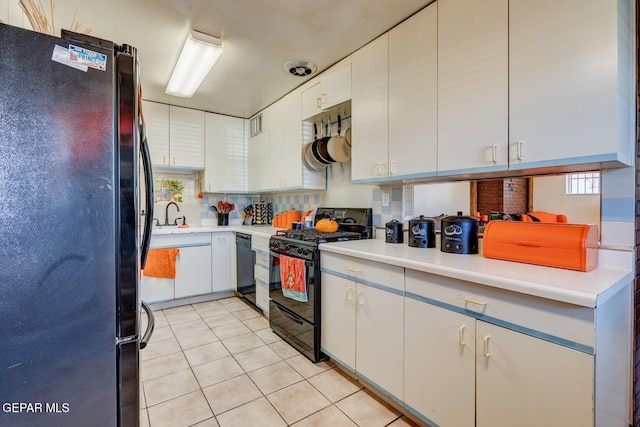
(365, 410)
(211, 422)
(246, 314)
(283, 349)
(258, 413)
(227, 301)
(143, 399)
(232, 330)
(162, 365)
(298, 401)
(275, 377)
(175, 317)
(144, 418)
(186, 328)
(403, 422)
(159, 318)
(236, 306)
(231, 394)
(306, 367)
(162, 333)
(206, 353)
(212, 311)
(243, 343)
(159, 348)
(206, 305)
(334, 384)
(197, 339)
(217, 371)
(169, 386)
(257, 323)
(220, 320)
(257, 358)
(329, 416)
(267, 335)
(182, 411)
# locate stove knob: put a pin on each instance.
(275, 245)
(305, 252)
(300, 251)
(287, 248)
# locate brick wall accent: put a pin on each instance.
(502, 195)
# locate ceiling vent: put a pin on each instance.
(300, 68)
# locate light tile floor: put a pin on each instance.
(218, 364)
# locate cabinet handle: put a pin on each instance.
(350, 294)
(485, 346)
(164, 160)
(461, 335)
(222, 239)
(519, 150)
(318, 102)
(392, 167)
(382, 170)
(360, 300)
(174, 161)
(323, 98)
(494, 153)
(353, 271)
(472, 301)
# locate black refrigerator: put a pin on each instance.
(75, 184)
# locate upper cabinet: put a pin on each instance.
(175, 135)
(333, 87)
(12, 14)
(473, 91)
(571, 83)
(226, 154)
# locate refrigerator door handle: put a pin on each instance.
(148, 178)
(150, 325)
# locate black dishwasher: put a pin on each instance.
(245, 260)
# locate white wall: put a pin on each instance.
(342, 193)
(549, 194)
(441, 198)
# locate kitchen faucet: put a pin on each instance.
(166, 213)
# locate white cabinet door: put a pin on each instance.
(186, 137)
(193, 271)
(253, 172)
(336, 87)
(311, 101)
(439, 370)
(570, 90)
(370, 111)
(226, 154)
(529, 382)
(221, 261)
(291, 148)
(473, 48)
(156, 117)
(413, 96)
(338, 317)
(154, 289)
(380, 338)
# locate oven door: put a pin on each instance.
(304, 310)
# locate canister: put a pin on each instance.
(422, 232)
(394, 232)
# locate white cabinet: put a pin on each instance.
(260, 245)
(370, 111)
(363, 319)
(473, 91)
(333, 87)
(175, 135)
(12, 14)
(221, 268)
(413, 96)
(226, 154)
(571, 82)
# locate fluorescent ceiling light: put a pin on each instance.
(198, 55)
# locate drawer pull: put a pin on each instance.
(353, 271)
(519, 150)
(485, 346)
(473, 301)
(461, 335)
(360, 298)
(494, 153)
(349, 296)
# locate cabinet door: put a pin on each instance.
(336, 87)
(186, 136)
(338, 319)
(568, 85)
(253, 172)
(193, 271)
(380, 338)
(370, 111)
(221, 262)
(154, 289)
(413, 96)
(310, 99)
(473, 85)
(526, 381)
(225, 154)
(291, 148)
(439, 349)
(156, 117)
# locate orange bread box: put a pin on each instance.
(570, 246)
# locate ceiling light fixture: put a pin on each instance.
(198, 55)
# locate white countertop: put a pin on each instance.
(255, 230)
(573, 287)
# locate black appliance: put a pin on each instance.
(394, 233)
(422, 232)
(71, 138)
(245, 260)
(297, 322)
(459, 234)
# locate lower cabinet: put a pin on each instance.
(362, 319)
(192, 275)
(221, 272)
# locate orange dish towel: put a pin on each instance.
(293, 278)
(161, 263)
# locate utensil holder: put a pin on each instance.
(223, 219)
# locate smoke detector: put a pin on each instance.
(300, 68)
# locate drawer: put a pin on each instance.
(177, 240)
(261, 274)
(262, 296)
(260, 244)
(532, 315)
(262, 258)
(360, 270)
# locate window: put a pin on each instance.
(583, 183)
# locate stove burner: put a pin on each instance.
(318, 237)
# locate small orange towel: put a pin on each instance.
(293, 278)
(161, 263)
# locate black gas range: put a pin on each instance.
(294, 310)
